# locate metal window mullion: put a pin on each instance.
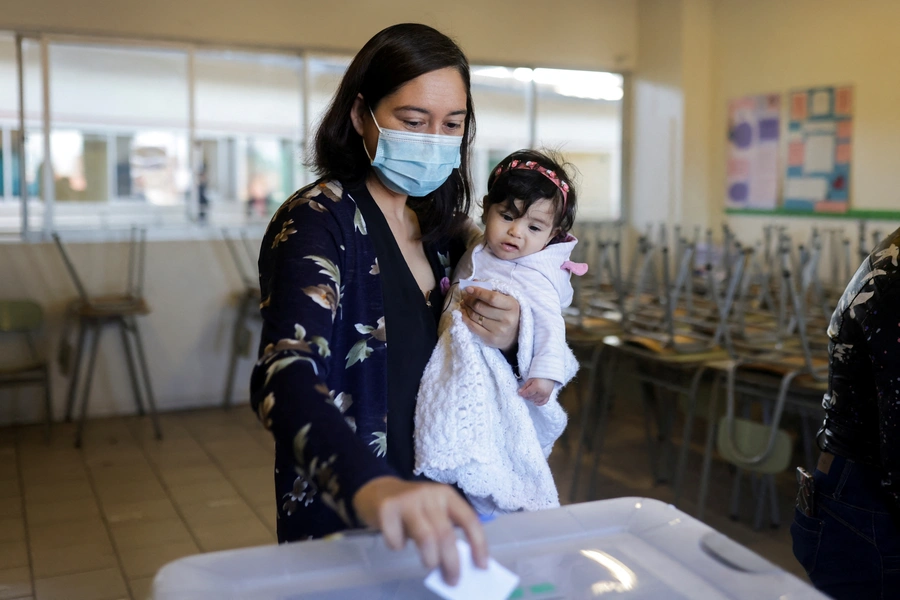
(49, 195)
(193, 207)
(305, 83)
(112, 174)
(531, 107)
(23, 168)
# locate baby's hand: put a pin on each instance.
(537, 390)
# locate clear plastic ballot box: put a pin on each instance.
(621, 548)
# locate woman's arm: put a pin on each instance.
(301, 274)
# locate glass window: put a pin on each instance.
(579, 113)
(500, 96)
(152, 167)
(249, 128)
(120, 127)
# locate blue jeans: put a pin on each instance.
(850, 547)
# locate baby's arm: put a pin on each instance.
(537, 390)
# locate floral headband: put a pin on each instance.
(533, 166)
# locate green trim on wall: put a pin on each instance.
(879, 215)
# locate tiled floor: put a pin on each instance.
(97, 523)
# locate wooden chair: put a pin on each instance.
(25, 318)
(247, 307)
(90, 315)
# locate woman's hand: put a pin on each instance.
(492, 316)
(426, 514)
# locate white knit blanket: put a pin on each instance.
(474, 430)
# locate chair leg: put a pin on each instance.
(142, 360)
(773, 498)
(48, 401)
(650, 403)
(132, 368)
(603, 417)
(762, 490)
(686, 434)
(711, 425)
(734, 511)
(233, 358)
(76, 370)
(86, 393)
(588, 397)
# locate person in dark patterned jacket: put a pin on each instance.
(848, 537)
(353, 270)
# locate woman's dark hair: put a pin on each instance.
(529, 186)
(393, 57)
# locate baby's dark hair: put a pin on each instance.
(506, 185)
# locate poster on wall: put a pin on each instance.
(753, 132)
(820, 132)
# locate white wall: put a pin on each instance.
(190, 286)
(774, 46)
(588, 34)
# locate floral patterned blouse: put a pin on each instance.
(321, 384)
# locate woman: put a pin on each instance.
(352, 261)
(846, 528)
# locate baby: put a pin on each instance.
(528, 212)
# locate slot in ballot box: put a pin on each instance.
(621, 548)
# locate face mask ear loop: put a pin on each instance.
(366, 149)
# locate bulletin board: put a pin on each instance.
(819, 148)
(754, 130)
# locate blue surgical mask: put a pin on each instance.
(411, 163)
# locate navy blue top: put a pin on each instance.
(339, 404)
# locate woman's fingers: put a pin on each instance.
(463, 515)
(425, 513)
(420, 529)
(492, 316)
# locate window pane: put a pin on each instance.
(269, 175)
(248, 93)
(580, 113)
(34, 161)
(325, 73)
(79, 166)
(501, 110)
(118, 86)
(152, 167)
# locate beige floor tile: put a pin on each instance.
(134, 491)
(12, 530)
(53, 561)
(124, 456)
(140, 534)
(233, 534)
(8, 463)
(216, 511)
(49, 472)
(10, 507)
(13, 554)
(256, 484)
(141, 588)
(202, 492)
(145, 562)
(9, 488)
(146, 510)
(50, 491)
(268, 515)
(106, 584)
(90, 530)
(15, 583)
(173, 476)
(112, 475)
(41, 513)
